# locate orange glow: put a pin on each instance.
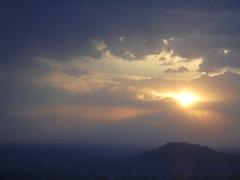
(94, 113)
(186, 98)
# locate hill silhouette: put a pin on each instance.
(174, 160)
(183, 153)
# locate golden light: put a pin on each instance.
(186, 98)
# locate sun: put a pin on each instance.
(186, 98)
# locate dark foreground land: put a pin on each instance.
(72, 162)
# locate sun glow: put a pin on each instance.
(186, 98)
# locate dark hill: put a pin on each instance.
(171, 161)
(182, 153)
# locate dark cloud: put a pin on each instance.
(62, 29)
(181, 69)
(221, 58)
(225, 85)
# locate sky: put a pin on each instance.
(120, 72)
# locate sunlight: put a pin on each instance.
(186, 98)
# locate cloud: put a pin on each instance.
(224, 51)
(86, 113)
(128, 55)
(217, 52)
(122, 38)
(225, 86)
(88, 74)
(83, 84)
(181, 69)
(124, 77)
(100, 45)
(221, 59)
(137, 78)
(141, 119)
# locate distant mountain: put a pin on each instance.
(186, 154)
